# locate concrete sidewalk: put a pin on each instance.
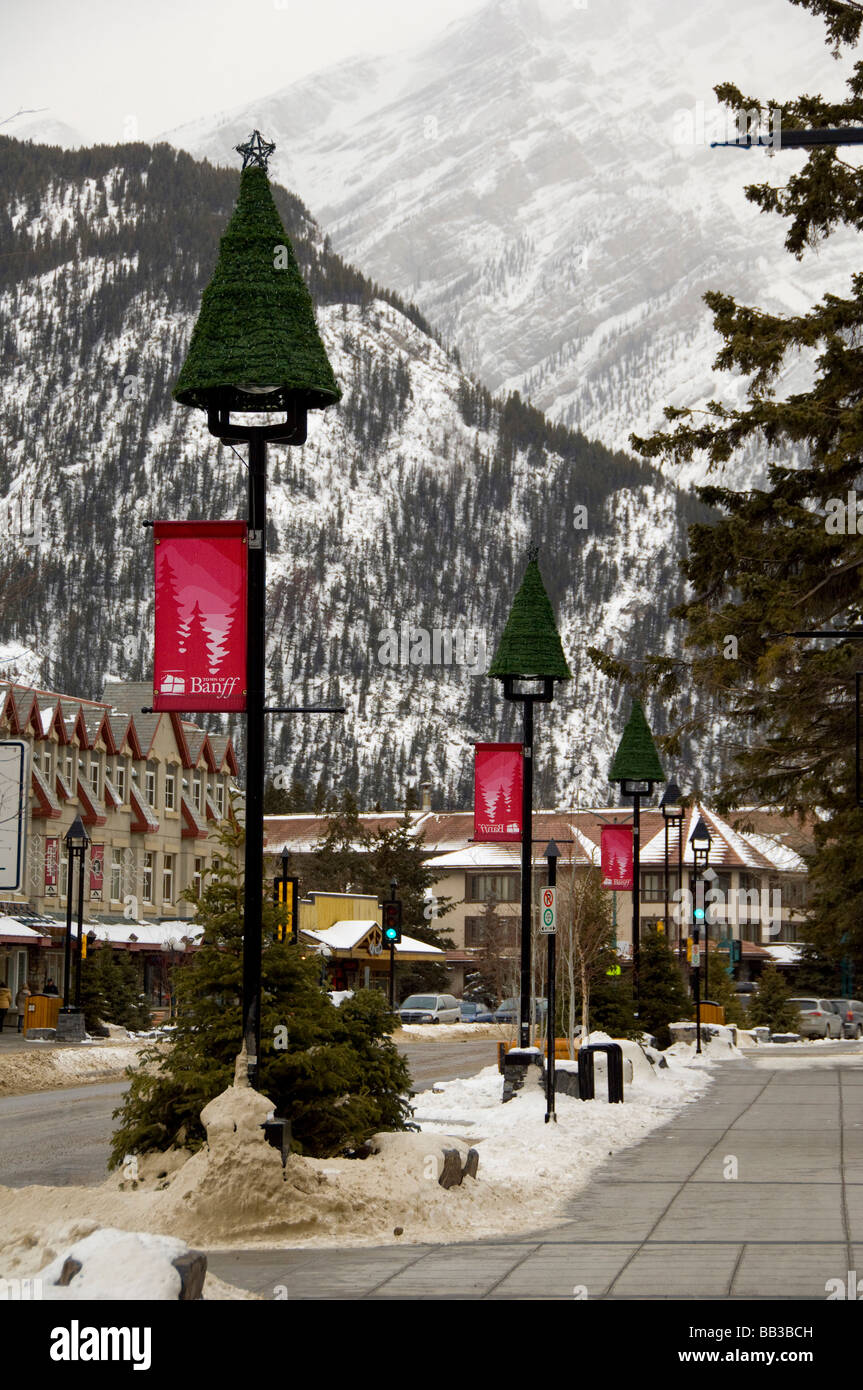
(663, 1221)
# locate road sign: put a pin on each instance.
(548, 912)
(13, 813)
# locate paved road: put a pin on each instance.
(57, 1137)
(663, 1221)
(61, 1138)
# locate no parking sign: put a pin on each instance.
(548, 912)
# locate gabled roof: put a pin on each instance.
(48, 806)
(94, 812)
(145, 821)
(195, 826)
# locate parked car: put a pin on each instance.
(471, 1012)
(430, 1008)
(851, 1011)
(819, 1018)
(509, 1011)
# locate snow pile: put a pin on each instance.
(114, 1265)
(235, 1190)
(48, 1066)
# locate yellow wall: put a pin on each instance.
(324, 909)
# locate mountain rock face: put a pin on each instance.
(539, 180)
(397, 534)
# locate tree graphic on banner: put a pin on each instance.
(614, 870)
(200, 657)
(501, 808)
(224, 642)
(170, 611)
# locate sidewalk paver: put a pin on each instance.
(663, 1220)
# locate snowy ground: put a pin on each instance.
(235, 1193)
(42, 1067)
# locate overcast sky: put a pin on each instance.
(123, 71)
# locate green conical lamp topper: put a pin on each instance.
(256, 346)
(636, 760)
(530, 646)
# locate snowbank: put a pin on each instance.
(47, 1066)
(235, 1192)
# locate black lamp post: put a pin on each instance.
(552, 854)
(700, 841)
(529, 659)
(77, 841)
(256, 351)
(672, 815)
(636, 767)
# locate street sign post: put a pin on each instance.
(548, 912)
(13, 813)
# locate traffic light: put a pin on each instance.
(285, 898)
(660, 926)
(689, 949)
(392, 922)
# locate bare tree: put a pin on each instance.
(584, 936)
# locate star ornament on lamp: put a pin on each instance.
(256, 151)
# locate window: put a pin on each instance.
(170, 789)
(64, 869)
(198, 877)
(150, 784)
(168, 878)
(196, 791)
(116, 875)
(216, 864)
(120, 778)
(47, 760)
(70, 770)
(149, 866)
(504, 888)
(653, 886)
(94, 774)
(220, 796)
(506, 932)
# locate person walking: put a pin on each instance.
(21, 1004)
(5, 1003)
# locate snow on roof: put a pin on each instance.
(491, 856)
(13, 930)
(781, 856)
(140, 934)
(784, 955)
(344, 936)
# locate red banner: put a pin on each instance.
(616, 844)
(497, 791)
(200, 649)
(97, 865)
(52, 861)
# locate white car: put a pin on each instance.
(430, 1008)
(819, 1018)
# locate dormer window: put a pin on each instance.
(170, 789)
(150, 784)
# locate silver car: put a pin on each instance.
(819, 1018)
(851, 1013)
(430, 1008)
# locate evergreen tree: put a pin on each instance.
(721, 988)
(334, 1072)
(769, 1007)
(662, 995)
(111, 990)
(786, 555)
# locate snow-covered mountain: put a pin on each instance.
(410, 508)
(539, 180)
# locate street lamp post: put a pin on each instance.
(77, 841)
(700, 841)
(672, 815)
(529, 659)
(636, 767)
(256, 351)
(552, 854)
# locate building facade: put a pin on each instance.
(153, 791)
